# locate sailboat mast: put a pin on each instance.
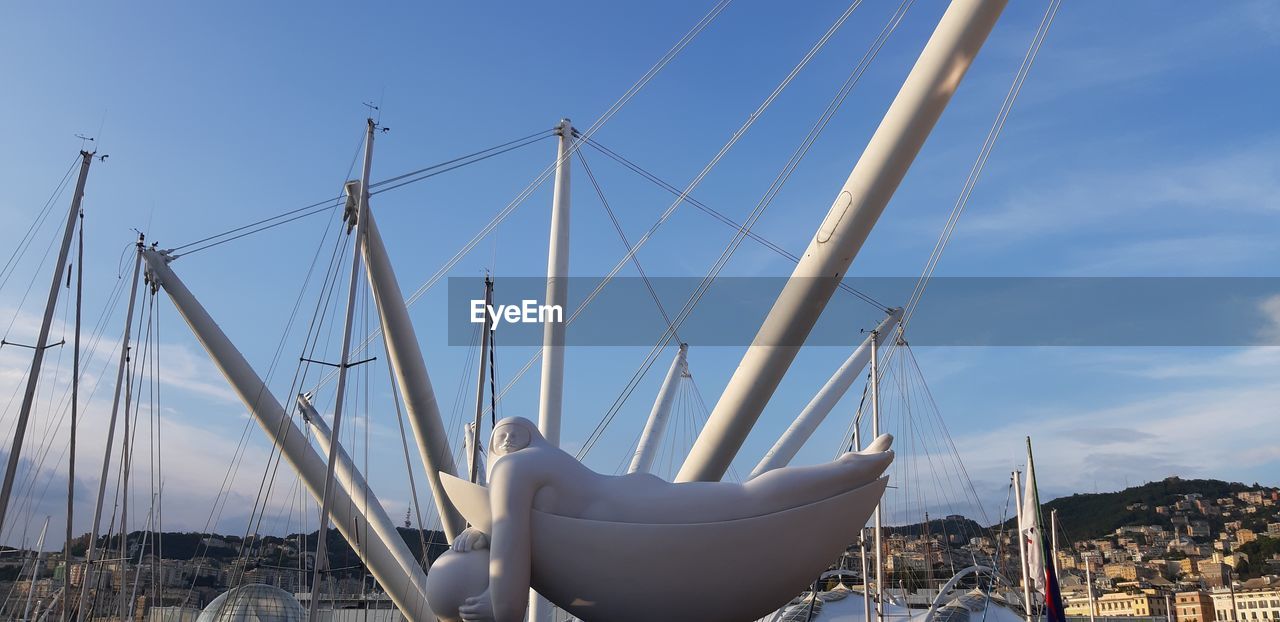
(344, 363)
(111, 428)
(875, 433)
(42, 341)
(862, 539)
(75, 413)
(35, 569)
(474, 467)
(857, 206)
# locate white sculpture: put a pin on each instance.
(635, 547)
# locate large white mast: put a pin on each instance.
(551, 396)
(785, 449)
(349, 477)
(111, 428)
(651, 438)
(405, 591)
(344, 364)
(925, 93)
(410, 369)
(42, 340)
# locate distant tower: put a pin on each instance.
(407, 524)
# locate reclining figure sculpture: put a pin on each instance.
(635, 547)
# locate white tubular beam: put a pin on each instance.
(411, 375)
(820, 406)
(651, 438)
(925, 93)
(405, 589)
(551, 396)
(366, 503)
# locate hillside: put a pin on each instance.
(1091, 515)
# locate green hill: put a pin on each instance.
(1092, 515)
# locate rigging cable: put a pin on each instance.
(720, 216)
(320, 206)
(980, 162)
(779, 181)
(546, 173)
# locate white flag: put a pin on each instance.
(1029, 527)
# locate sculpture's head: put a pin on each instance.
(511, 435)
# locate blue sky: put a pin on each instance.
(1142, 145)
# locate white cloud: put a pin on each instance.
(1222, 428)
(1270, 309)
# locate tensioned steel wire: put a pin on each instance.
(979, 164)
(682, 197)
(319, 207)
(546, 173)
(783, 176)
(895, 340)
(720, 216)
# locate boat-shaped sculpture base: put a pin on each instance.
(730, 571)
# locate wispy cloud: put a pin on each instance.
(1221, 429)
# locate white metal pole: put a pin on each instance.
(355, 485)
(655, 427)
(96, 525)
(344, 363)
(879, 517)
(1022, 545)
(551, 396)
(42, 341)
(1053, 538)
(1088, 581)
(405, 591)
(789, 444)
(410, 369)
(884, 162)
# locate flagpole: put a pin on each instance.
(1022, 544)
(1088, 580)
(1053, 535)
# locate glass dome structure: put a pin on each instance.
(254, 603)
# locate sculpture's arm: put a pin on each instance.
(511, 493)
